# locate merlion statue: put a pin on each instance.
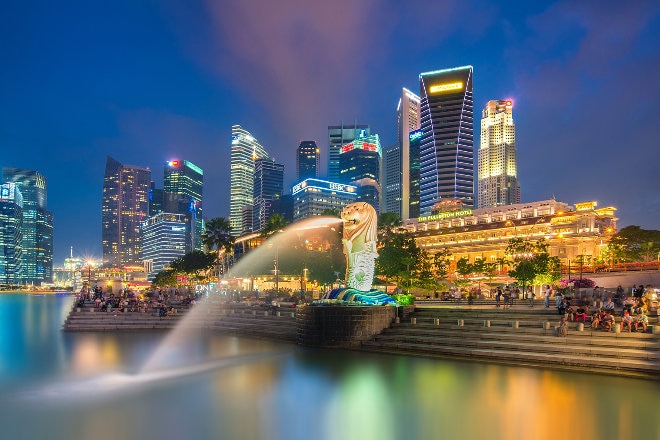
(359, 239)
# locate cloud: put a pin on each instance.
(584, 75)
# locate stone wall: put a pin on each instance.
(341, 326)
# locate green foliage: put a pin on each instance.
(216, 235)
(194, 262)
(532, 262)
(165, 278)
(275, 223)
(441, 264)
(404, 300)
(633, 243)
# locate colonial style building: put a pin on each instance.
(569, 230)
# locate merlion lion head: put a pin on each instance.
(359, 222)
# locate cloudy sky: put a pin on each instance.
(146, 81)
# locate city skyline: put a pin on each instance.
(176, 79)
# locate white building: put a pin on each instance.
(497, 170)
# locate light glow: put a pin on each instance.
(446, 87)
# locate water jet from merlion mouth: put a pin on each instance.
(258, 261)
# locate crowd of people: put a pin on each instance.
(633, 311)
(164, 302)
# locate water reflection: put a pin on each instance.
(237, 388)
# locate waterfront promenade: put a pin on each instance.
(517, 336)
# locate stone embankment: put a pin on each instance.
(210, 315)
(518, 336)
(522, 336)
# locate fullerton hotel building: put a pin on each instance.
(569, 230)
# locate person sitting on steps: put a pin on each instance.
(608, 322)
(562, 329)
(642, 320)
(626, 320)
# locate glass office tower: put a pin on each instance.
(446, 146)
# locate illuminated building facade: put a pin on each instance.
(360, 164)
(484, 233)
(414, 142)
(497, 173)
(156, 200)
(308, 158)
(313, 196)
(268, 187)
(37, 229)
(125, 205)
(391, 179)
(11, 234)
(182, 187)
(245, 149)
(338, 136)
(164, 239)
(408, 121)
(446, 146)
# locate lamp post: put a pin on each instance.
(277, 273)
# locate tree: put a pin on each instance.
(217, 237)
(633, 243)
(275, 223)
(388, 222)
(441, 264)
(532, 262)
(194, 262)
(164, 278)
(398, 255)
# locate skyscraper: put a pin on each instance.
(446, 149)
(360, 164)
(11, 234)
(414, 141)
(408, 120)
(245, 149)
(182, 186)
(268, 186)
(391, 179)
(165, 236)
(307, 161)
(339, 135)
(497, 170)
(124, 206)
(37, 225)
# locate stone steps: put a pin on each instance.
(528, 343)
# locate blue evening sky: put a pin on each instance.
(146, 81)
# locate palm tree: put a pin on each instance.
(216, 236)
(275, 223)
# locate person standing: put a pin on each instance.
(546, 296)
(498, 297)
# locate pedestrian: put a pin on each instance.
(531, 295)
(498, 297)
(546, 296)
(562, 329)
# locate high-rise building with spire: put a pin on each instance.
(245, 149)
(497, 173)
(447, 146)
(125, 205)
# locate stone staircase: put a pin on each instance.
(210, 315)
(521, 336)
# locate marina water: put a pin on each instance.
(60, 385)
